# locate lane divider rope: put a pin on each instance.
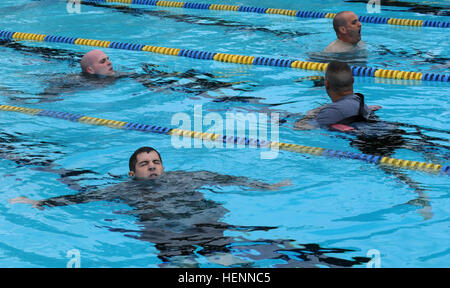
(286, 12)
(248, 142)
(222, 57)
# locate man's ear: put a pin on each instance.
(90, 70)
(342, 30)
(131, 173)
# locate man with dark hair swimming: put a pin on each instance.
(146, 164)
(171, 212)
(182, 224)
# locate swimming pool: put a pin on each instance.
(336, 213)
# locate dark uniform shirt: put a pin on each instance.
(333, 113)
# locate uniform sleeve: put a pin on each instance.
(107, 194)
(66, 200)
(203, 178)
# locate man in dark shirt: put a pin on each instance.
(145, 164)
(181, 223)
(346, 106)
(171, 211)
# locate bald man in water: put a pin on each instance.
(98, 72)
(96, 62)
(348, 31)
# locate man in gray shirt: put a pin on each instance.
(346, 106)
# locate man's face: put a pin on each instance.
(352, 29)
(148, 166)
(101, 65)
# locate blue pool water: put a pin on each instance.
(333, 215)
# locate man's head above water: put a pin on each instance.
(146, 163)
(95, 62)
(347, 27)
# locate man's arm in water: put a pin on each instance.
(64, 200)
(214, 179)
(71, 199)
(302, 124)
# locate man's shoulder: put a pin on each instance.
(329, 111)
(355, 97)
(332, 47)
(361, 44)
(347, 103)
(337, 111)
(339, 46)
(178, 174)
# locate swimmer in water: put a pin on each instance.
(346, 106)
(97, 72)
(146, 164)
(174, 216)
(348, 32)
(348, 47)
(168, 205)
(96, 62)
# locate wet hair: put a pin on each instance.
(338, 21)
(339, 76)
(133, 159)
